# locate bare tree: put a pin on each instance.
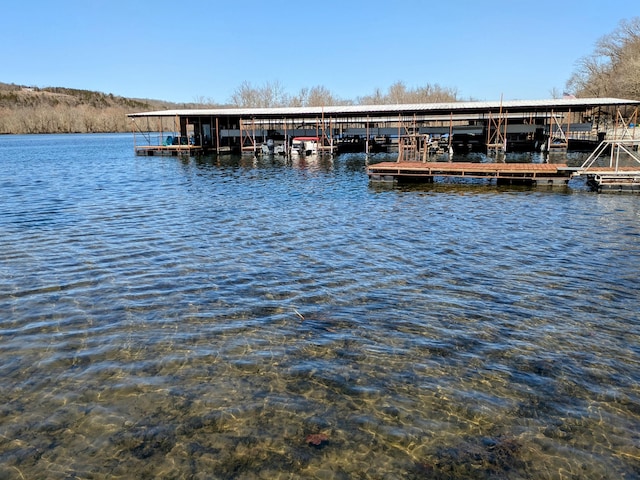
(300, 100)
(555, 93)
(398, 93)
(201, 100)
(245, 95)
(320, 96)
(376, 98)
(271, 94)
(613, 70)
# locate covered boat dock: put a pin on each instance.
(413, 131)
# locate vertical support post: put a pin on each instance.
(320, 147)
(550, 136)
(497, 139)
(489, 123)
(286, 138)
(450, 134)
(501, 140)
(568, 128)
(253, 134)
(425, 147)
(331, 134)
(218, 135)
(366, 143)
(504, 138)
(415, 139)
(399, 132)
(133, 129)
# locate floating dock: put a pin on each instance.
(626, 179)
(168, 150)
(614, 166)
(539, 174)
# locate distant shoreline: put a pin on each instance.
(52, 110)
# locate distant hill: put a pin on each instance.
(25, 109)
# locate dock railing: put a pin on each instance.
(613, 148)
(610, 174)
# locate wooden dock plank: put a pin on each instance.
(456, 167)
(525, 173)
(167, 150)
(469, 169)
(542, 174)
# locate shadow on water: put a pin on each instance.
(312, 163)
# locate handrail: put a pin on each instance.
(616, 146)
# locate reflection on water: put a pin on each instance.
(243, 318)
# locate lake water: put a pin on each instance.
(241, 318)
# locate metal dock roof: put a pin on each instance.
(399, 109)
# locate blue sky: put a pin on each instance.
(183, 51)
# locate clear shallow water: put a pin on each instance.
(168, 318)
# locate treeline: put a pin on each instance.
(273, 94)
(613, 69)
(399, 93)
(65, 110)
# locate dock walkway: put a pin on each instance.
(167, 150)
(604, 179)
(516, 173)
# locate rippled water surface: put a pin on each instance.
(241, 318)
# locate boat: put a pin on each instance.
(304, 145)
(271, 147)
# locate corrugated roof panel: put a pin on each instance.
(391, 109)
